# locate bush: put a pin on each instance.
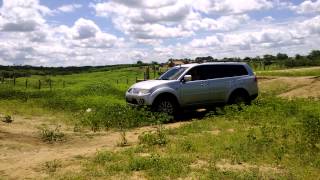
(51, 134)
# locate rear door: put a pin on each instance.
(195, 91)
(218, 82)
(223, 79)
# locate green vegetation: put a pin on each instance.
(313, 71)
(51, 135)
(273, 138)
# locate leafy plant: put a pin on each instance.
(51, 135)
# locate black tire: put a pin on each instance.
(165, 105)
(239, 98)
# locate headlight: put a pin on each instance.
(138, 91)
(142, 91)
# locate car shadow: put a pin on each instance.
(198, 114)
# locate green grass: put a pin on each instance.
(272, 133)
(102, 92)
(314, 71)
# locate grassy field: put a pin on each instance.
(313, 71)
(274, 138)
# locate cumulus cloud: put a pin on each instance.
(84, 29)
(69, 7)
(22, 16)
(169, 19)
(307, 7)
(152, 30)
(231, 6)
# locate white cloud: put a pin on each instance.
(171, 19)
(84, 29)
(307, 7)
(153, 30)
(69, 7)
(22, 16)
(232, 6)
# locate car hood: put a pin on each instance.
(150, 84)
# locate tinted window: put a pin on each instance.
(216, 71)
(220, 71)
(196, 73)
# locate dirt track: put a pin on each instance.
(22, 152)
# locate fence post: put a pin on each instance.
(26, 83)
(39, 84)
(50, 85)
(127, 81)
(14, 80)
(144, 75)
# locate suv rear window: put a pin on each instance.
(221, 71)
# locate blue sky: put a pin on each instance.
(81, 32)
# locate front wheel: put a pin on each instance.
(165, 106)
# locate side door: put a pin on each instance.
(195, 91)
(218, 82)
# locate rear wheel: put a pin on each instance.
(239, 98)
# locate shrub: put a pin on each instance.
(51, 135)
(154, 138)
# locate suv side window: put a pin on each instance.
(197, 73)
(221, 71)
(237, 70)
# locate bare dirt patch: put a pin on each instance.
(22, 151)
(309, 90)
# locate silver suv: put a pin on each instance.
(192, 85)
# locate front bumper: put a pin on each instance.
(138, 100)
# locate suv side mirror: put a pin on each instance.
(187, 78)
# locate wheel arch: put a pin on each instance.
(168, 95)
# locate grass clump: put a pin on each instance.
(50, 135)
(52, 166)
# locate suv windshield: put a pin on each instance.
(173, 73)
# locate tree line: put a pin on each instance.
(281, 59)
(27, 70)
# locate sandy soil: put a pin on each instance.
(23, 153)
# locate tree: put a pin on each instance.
(139, 62)
(154, 62)
(281, 56)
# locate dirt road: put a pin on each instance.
(23, 153)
